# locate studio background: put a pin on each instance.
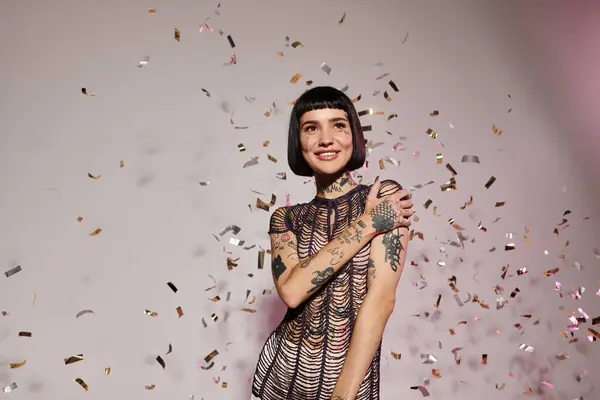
(528, 70)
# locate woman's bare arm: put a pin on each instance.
(297, 280)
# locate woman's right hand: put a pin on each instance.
(388, 212)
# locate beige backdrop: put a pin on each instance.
(473, 61)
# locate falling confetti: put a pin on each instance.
(13, 271)
(81, 383)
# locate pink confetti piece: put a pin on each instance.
(451, 126)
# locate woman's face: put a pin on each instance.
(326, 140)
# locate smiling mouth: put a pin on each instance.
(327, 155)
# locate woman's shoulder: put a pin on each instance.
(388, 186)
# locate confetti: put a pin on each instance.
(149, 387)
(206, 92)
(13, 271)
(341, 21)
(81, 383)
(326, 68)
(526, 347)
(9, 388)
(18, 365)
(161, 362)
(387, 96)
(152, 11)
(96, 232)
(231, 42)
(177, 35)
(467, 158)
(73, 359)
(393, 86)
(490, 182)
(83, 312)
(397, 356)
(496, 130)
(24, 334)
(107, 371)
(452, 170)
(172, 286)
(436, 373)
(151, 313)
(179, 312)
(421, 389)
(144, 62)
(428, 358)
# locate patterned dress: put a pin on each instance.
(303, 357)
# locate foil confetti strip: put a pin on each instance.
(179, 312)
(13, 271)
(471, 159)
(144, 62)
(81, 383)
(393, 86)
(177, 34)
(490, 182)
(18, 365)
(73, 359)
(96, 232)
(9, 388)
(421, 389)
(325, 68)
(107, 371)
(396, 356)
(172, 286)
(24, 334)
(231, 42)
(341, 21)
(428, 358)
(160, 360)
(151, 313)
(149, 387)
(496, 131)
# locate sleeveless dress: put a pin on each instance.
(303, 357)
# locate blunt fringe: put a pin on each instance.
(319, 98)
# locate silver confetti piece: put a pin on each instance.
(13, 271)
(428, 358)
(9, 388)
(501, 302)
(526, 347)
(236, 229)
(473, 159)
(326, 68)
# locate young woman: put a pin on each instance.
(336, 262)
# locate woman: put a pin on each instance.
(336, 262)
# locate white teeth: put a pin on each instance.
(328, 153)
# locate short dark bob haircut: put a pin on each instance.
(319, 98)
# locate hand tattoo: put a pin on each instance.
(383, 216)
(278, 267)
(393, 248)
(320, 278)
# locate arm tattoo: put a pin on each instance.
(393, 248)
(383, 216)
(278, 267)
(306, 262)
(348, 236)
(320, 278)
(370, 271)
(336, 255)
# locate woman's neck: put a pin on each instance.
(330, 187)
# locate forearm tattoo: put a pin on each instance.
(321, 278)
(383, 216)
(393, 248)
(370, 271)
(278, 267)
(336, 255)
(352, 233)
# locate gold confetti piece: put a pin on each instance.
(84, 91)
(215, 299)
(434, 113)
(94, 177)
(152, 11)
(448, 186)
(81, 383)
(172, 286)
(18, 365)
(262, 205)
(387, 96)
(439, 157)
(13, 271)
(500, 204)
(79, 219)
(249, 310)
(436, 373)
(551, 272)
(500, 386)
(326, 68)
(271, 158)
(341, 21)
(177, 35)
(73, 359)
(432, 134)
(452, 170)
(161, 362)
(9, 388)
(149, 387)
(151, 313)
(490, 182)
(437, 303)
(297, 43)
(393, 86)
(24, 334)
(496, 130)
(295, 78)
(467, 158)
(107, 371)
(261, 259)
(230, 40)
(96, 232)
(121, 164)
(214, 317)
(179, 311)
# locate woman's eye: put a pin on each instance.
(340, 125)
(310, 128)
